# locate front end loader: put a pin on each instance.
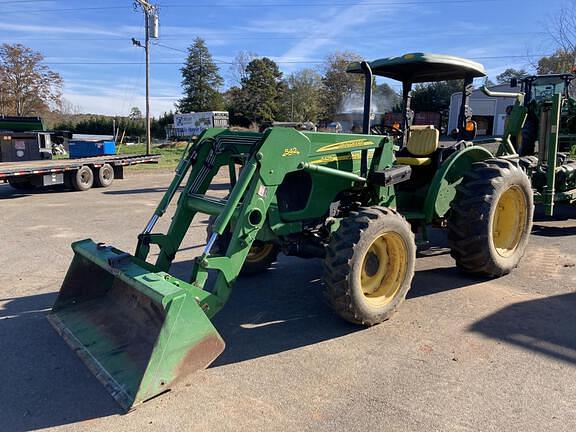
(141, 330)
(342, 198)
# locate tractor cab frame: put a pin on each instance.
(540, 88)
(415, 68)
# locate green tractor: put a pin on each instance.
(343, 198)
(541, 131)
(484, 201)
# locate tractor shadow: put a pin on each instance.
(46, 385)
(285, 309)
(439, 280)
(276, 311)
(562, 224)
(545, 326)
(43, 382)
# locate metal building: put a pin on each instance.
(489, 113)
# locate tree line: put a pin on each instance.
(260, 91)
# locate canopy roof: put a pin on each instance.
(421, 67)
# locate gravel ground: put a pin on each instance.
(462, 354)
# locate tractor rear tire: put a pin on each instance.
(260, 258)
(104, 176)
(491, 218)
(369, 265)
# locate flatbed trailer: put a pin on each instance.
(77, 174)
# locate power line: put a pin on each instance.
(278, 62)
(234, 37)
(376, 3)
(256, 5)
(25, 1)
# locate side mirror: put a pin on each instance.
(514, 82)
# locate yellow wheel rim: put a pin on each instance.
(384, 269)
(510, 219)
(259, 251)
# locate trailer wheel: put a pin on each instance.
(369, 265)
(104, 176)
(491, 218)
(83, 179)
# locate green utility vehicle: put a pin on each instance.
(343, 198)
(541, 131)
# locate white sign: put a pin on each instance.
(192, 124)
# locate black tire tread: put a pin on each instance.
(337, 264)
(468, 223)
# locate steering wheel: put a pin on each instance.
(393, 131)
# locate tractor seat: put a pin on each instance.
(422, 142)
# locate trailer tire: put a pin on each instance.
(369, 265)
(82, 179)
(104, 176)
(260, 258)
(491, 218)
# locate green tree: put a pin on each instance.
(234, 104)
(561, 61)
(135, 114)
(385, 98)
(506, 76)
(27, 86)
(337, 83)
(434, 97)
(201, 80)
(238, 67)
(302, 98)
(159, 125)
(262, 90)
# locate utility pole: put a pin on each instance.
(151, 25)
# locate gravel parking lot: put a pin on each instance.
(462, 354)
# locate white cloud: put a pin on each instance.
(103, 104)
(47, 29)
(328, 28)
(117, 98)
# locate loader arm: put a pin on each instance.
(141, 330)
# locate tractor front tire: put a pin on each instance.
(260, 257)
(369, 265)
(491, 218)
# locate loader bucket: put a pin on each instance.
(137, 331)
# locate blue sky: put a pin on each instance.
(79, 37)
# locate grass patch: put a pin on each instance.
(170, 155)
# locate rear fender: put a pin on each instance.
(442, 190)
